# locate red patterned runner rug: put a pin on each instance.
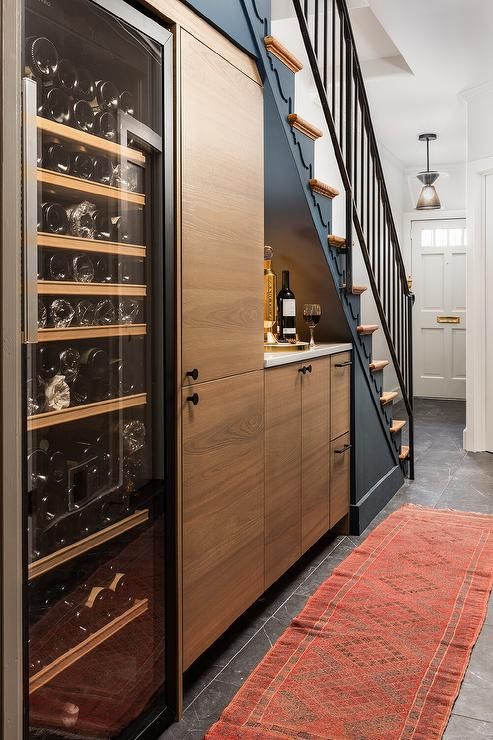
(381, 648)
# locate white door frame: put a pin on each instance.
(475, 432)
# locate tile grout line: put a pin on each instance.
(263, 625)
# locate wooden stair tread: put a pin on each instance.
(377, 365)
(397, 425)
(317, 186)
(300, 124)
(366, 329)
(357, 289)
(404, 454)
(275, 47)
(388, 397)
(337, 241)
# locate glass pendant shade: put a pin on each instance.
(428, 198)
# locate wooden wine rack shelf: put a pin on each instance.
(61, 241)
(92, 332)
(87, 188)
(84, 139)
(75, 413)
(55, 559)
(65, 287)
(49, 672)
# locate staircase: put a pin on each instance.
(328, 39)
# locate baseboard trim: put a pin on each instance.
(366, 509)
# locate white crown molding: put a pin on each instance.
(471, 92)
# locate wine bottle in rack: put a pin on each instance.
(94, 362)
(286, 310)
(102, 225)
(55, 105)
(67, 77)
(48, 362)
(41, 58)
(86, 88)
(82, 116)
(54, 218)
(107, 95)
(103, 169)
(105, 125)
(126, 103)
(56, 157)
(82, 165)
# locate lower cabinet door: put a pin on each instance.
(340, 452)
(223, 506)
(341, 394)
(315, 400)
(282, 469)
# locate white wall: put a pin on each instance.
(479, 346)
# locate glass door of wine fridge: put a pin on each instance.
(98, 473)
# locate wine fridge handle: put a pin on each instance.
(30, 211)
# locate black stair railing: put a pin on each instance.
(328, 37)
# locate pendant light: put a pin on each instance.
(428, 198)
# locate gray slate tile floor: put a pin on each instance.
(446, 477)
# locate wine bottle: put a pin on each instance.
(82, 116)
(41, 58)
(47, 362)
(103, 272)
(80, 391)
(67, 77)
(105, 125)
(105, 313)
(42, 314)
(126, 102)
(103, 169)
(56, 157)
(55, 105)
(286, 308)
(82, 165)
(119, 231)
(70, 364)
(57, 394)
(81, 222)
(57, 266)
(95, 362)
(54, 218)
(57, 471)
(102, 225)
(86, 88)
(107, 95)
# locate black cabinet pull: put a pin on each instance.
(194, 399)
(302, 370)
(193, 373)
(343, 364)
(309, 368)
(344, 449)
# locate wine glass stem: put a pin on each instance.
(312, 342)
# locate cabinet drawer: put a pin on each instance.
(340, 391)
(339, 478)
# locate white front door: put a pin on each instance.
(439, 283)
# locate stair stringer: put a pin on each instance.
(321, 211)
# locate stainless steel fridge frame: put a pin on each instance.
(13, 723)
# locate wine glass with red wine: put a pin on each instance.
(311, 314)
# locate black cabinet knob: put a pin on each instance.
(194, 399)
(309, 368)
(302, 370)
(193, 373)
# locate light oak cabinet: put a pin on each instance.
(222, 223)
(296, 462)
(223, 505)
(340, 385)
(340, 447)
(339, 478)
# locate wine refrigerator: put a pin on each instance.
(98, 504)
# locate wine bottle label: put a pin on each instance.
(287, 330)
(288, 307)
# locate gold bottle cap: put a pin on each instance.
(268, 252)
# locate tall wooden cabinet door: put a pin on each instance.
(222, 216)
(340, 383)
(223, 506)
(282, 469)
(339, 478)
(315, 401)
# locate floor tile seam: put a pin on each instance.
(468, 716)
(261, 628)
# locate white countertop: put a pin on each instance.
(272, 359)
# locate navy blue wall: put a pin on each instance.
(229, 17)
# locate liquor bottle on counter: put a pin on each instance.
(269, 297)
(286, 308)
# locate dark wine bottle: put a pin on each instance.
(82, 116)
(82, 165)
(94, 362)
(126, 102)
(54, 218)
(80, 391)
(55, 106)
(37, 470)
(67, 77)
(47, 362)
(102, 225)
(86, 88)
(119, 231)
(103, 169)
(57, 471)
(41, 58)
(103, 272)
(57, 266)
(107, 95)
(70, 364)
(56, 157)
(105, 125)
(286, 310)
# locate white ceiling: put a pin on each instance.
(417, 56)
